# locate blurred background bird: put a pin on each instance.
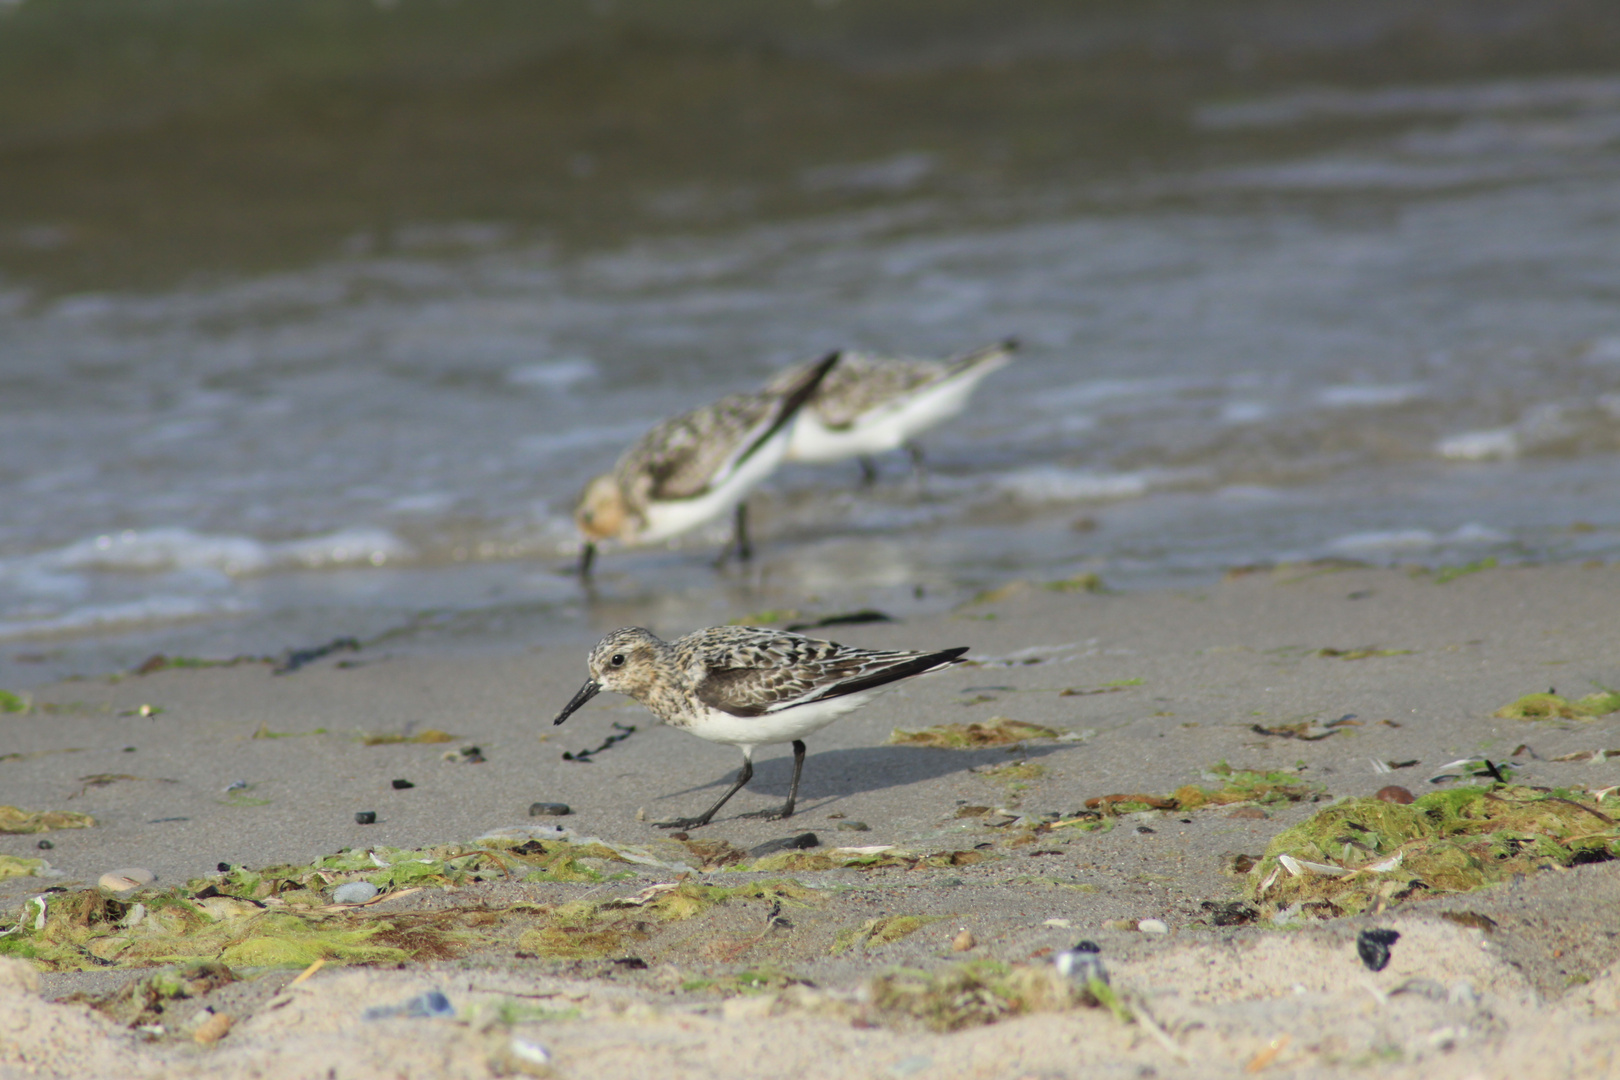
(694, 468)
(870, 405)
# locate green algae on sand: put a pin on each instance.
(997, 731)
(1551, 706)
(16, 820)
(1361, 853)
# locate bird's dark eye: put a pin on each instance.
(617, 660)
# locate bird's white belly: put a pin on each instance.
(882, 429)
(675, 516)
(779, 727)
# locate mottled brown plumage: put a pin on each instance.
(746, 686)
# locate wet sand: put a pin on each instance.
(1152, 690)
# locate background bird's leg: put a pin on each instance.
(698, 822)
(587, 556)
(869, 470)
(739, 533)
(786, 810)
(919, 467)
(739, 544)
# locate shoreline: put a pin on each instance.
(1312, 673)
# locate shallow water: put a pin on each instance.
(1265, 317)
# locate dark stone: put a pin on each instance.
(549, 809)
(224, 867)
(633, 963)
(401, 785)
(1373, 947)
(366, 817)
(44, 845)
(786, 843)
(530, 847)
(1395, 793)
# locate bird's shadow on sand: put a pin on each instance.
(837, 774)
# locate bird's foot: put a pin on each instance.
(682, 823)
(779, 814)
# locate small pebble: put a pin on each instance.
(366, 817)
(401, 785)
(549, 809)
(1396, 794)
(126, 880)
(429, 1005)
(1248, 812)
(786, 843)
(224, 867)
(963, 941)
(854, 826)
(1152, 926)
(236, 785)
(1121, 924)
(1143, 829)
(44, 845)
(355, 892)
(1373, 947)
(213, 1029)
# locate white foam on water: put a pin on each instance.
(1417, 539)
(561, 374)
(151, 550)
(1480, 445)
(350, 547)
(151, 609)
(1072, 485)
(1370, 395)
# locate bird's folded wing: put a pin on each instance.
(685, 457)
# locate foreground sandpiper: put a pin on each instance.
(694, 468)
(870, 405)
(748, 687)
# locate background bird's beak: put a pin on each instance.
(586, 692)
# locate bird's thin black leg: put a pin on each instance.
(587, 556)
(698, 822)
(919, 467)
(739, 533)
(739, 543)
(786, 810)
(869, 470)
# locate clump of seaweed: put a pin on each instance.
(1235, 786)
(1551, 706)
(427, 735)
(585, 930)
(884, 930)
(1243, 785)
(282, 915)
(17, 866)
(146, 1000)
(997, 731)
(14, 820)
(967, 995)
(1365, 852)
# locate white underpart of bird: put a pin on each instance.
(870, 405)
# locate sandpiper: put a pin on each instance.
(748, 687)
(694, 468)
(871, 405)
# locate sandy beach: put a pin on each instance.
(594, 944)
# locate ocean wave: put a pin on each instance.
(175, 548)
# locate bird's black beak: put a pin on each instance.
(586, 692)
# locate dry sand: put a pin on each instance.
(1537, 995)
